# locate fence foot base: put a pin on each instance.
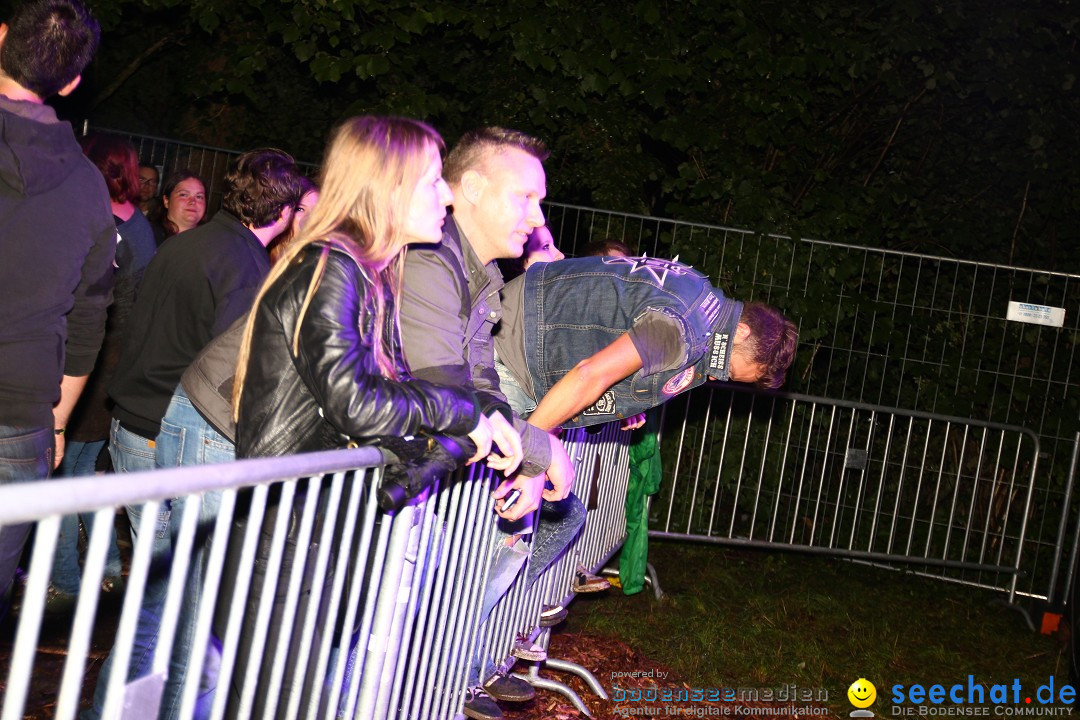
(575, 669)
(565, 690)
(1017, 608)
(652, 579)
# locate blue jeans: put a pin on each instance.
(80, 460)
(185, 439)
(26, 454)
(519, 400)
(559, 525)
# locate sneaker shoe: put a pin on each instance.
(508, 688)
(586, 582)
(552, 615)
(57, 601)
(531, 652)
(480, 706)
(112, 584)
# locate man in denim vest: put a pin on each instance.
(604, 338)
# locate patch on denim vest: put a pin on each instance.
(656, 267)
(604, 406)
(710, 309)
(718, 355)
(677, 383)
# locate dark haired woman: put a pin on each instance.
(183, 205)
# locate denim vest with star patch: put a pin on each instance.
(575, 308)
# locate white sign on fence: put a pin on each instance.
(1036, 314)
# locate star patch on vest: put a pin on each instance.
(653, 266)
(677, 383)
(604, 406)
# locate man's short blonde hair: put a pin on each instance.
(474, 147)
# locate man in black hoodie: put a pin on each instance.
(57, 241)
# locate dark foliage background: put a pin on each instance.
(945, 128)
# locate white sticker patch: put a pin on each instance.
(1035, 314)
(677, 383)
(604, 406)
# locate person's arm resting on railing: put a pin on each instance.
(586, 382)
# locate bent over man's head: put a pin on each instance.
(770, 344)
(47, 43)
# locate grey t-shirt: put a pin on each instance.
(510, 335)
(658, 337)
(660, 341)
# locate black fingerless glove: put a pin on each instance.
(421, 461)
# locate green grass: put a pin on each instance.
(737, 618)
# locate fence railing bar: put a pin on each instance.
(296, 684)
(976, 482)
(761, 469)
(717, 491)
(129, 615)
(678, 460)
(699, 465)
(364, 489)
(1026, 513)
(958, 478)
(33, 609)
(1066, 503)
(82, 627)
(363, 587)
(781, 478)
(268, 593)
(802, 472)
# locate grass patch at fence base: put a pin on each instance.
(765, 621)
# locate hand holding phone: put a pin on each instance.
(511, 498)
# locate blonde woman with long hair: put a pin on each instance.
(320, 359)
(320, 362)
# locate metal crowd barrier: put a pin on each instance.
(208, 162)
(901, 329)
(390, 623)
(945, 497)
(885, 314)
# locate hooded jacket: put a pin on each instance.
(57, 241)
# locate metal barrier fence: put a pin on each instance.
(168, 156)
(945, 497)
(381, 613)
(895, 329)
(903, 330)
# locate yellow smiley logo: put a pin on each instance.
(862, 693)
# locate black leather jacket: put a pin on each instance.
(332, 387)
